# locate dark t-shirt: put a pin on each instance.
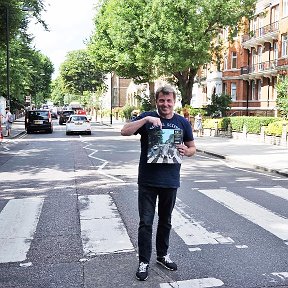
(161, 174)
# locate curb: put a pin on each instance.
(254, 166)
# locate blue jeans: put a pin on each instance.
(146, 204)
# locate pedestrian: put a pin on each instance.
(158, 179)
(8, 121)
(198, 128)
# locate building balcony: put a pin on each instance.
(266, 69)
(260, 36)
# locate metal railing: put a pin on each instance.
(272, 27)
(259, 67)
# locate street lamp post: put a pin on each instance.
(7, 58)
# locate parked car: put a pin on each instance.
(78, 124)
(38, 120)
(64, 116)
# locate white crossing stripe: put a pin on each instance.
(18, 222)
(194, 283)
(102, 229)
(277, 191)
(191, 231)
(259, 215)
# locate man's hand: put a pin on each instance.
(155, 121)
(187, 149)
(131, 127)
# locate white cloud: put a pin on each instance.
(70, 23)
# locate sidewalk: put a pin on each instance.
(257, 155)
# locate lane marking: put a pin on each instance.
(276, 191)
(194, 283)
(277, 225)
(102, 229)
(205, 181)
(191, 231)
(105, 162)
(18, 222)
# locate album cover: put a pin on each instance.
(162, 146)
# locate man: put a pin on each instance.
(9, 121)
(158, 179)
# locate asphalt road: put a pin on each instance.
(68, 217)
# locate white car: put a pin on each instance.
(78, 124)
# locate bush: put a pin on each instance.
(253, 124)
(275, 128)
(210, 123)
(127, 110)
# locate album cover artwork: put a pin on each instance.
(162, 146)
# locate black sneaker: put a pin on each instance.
(142, 271)
(166, 262)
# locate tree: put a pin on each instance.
(26, 64)
(164, 37)
(219, 106)
(79, 73)
(282, 96)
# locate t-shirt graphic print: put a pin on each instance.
(162, 146)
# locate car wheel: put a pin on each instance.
(50, 130)
(28, 131)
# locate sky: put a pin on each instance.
(70, 23)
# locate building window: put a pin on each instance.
(233, 60)
(225, 62)
(224, 88)
(258, 90)
(254, 61)
(233, 91)
(260, 59)
(284, 46)
(253, 92)
(285, 8)
(275, 50)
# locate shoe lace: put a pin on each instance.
(167, 259)
(143, 267)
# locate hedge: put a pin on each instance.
(253, 124)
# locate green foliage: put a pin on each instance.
(30, 71)
(79, 73)
(145, 102)
(276, 128)
(219, 106)
(212, 123)
(143, 39)
(282, 96)
(192, 111)
(126, 111)
(253, 124)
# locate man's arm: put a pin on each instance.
(131, 127)
(187, 149)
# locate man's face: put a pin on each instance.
(165, 105)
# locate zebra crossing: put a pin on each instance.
(104, 232)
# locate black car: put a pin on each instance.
(64, 116)
(38, 120)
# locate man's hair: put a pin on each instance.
(166, 89)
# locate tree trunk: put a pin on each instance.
(185, 81)
(152, 93)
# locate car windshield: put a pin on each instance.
(78, 118)
(36, 115)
